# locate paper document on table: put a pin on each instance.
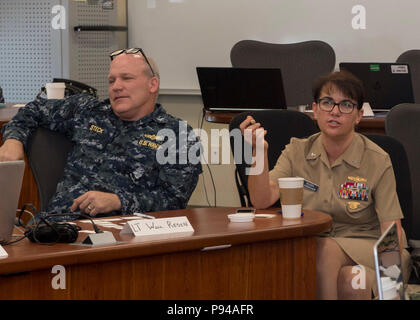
(3, 253)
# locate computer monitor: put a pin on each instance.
(388, 269)
(386, 84)
(11, 175)
(241, 89)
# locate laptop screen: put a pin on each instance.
(241, 88)
(11, 175)
(387, 258)
(386, 84)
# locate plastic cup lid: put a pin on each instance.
(57, 85)
(241, 217)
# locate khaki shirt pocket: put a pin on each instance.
(359, 210)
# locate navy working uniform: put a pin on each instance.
(112, 155)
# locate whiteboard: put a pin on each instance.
(183, 34)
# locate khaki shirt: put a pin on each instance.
(358, 190)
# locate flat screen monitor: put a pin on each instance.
(11, 175)
(386, 84)
(241, 89)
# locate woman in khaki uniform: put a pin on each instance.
(349, 176)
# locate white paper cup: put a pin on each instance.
(302, 108)
(389, 288)
(291, 197)
(55, 90)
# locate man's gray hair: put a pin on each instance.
(154, 66)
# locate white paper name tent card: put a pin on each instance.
(158, 227)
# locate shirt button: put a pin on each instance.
(329, 176)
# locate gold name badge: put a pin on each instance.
(149, 144)
(96, 129)
(357, 179)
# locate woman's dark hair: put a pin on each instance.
(343, 81)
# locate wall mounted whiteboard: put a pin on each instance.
(183, 34)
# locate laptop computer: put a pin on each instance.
(386, 84)
(241, 89)
(388, 269)
(11, 175)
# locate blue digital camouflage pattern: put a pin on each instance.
(110, 154)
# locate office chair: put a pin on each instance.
(300, 64)
(47, 155)
(401, 168)
(281, 125)
(402, 122)
(412, 58)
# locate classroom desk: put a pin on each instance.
(374, 125)
(268, 259)
(29, 193)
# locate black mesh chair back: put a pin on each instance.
(403, 177)
(300, 63)
(403, 123)
(47, 155)
(281, 125)
(400, 165)
(412, 58)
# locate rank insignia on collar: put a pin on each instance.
(354, 191)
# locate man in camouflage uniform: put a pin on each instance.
(113, 168)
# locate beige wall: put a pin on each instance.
(189, 108)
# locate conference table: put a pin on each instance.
(269, 258)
